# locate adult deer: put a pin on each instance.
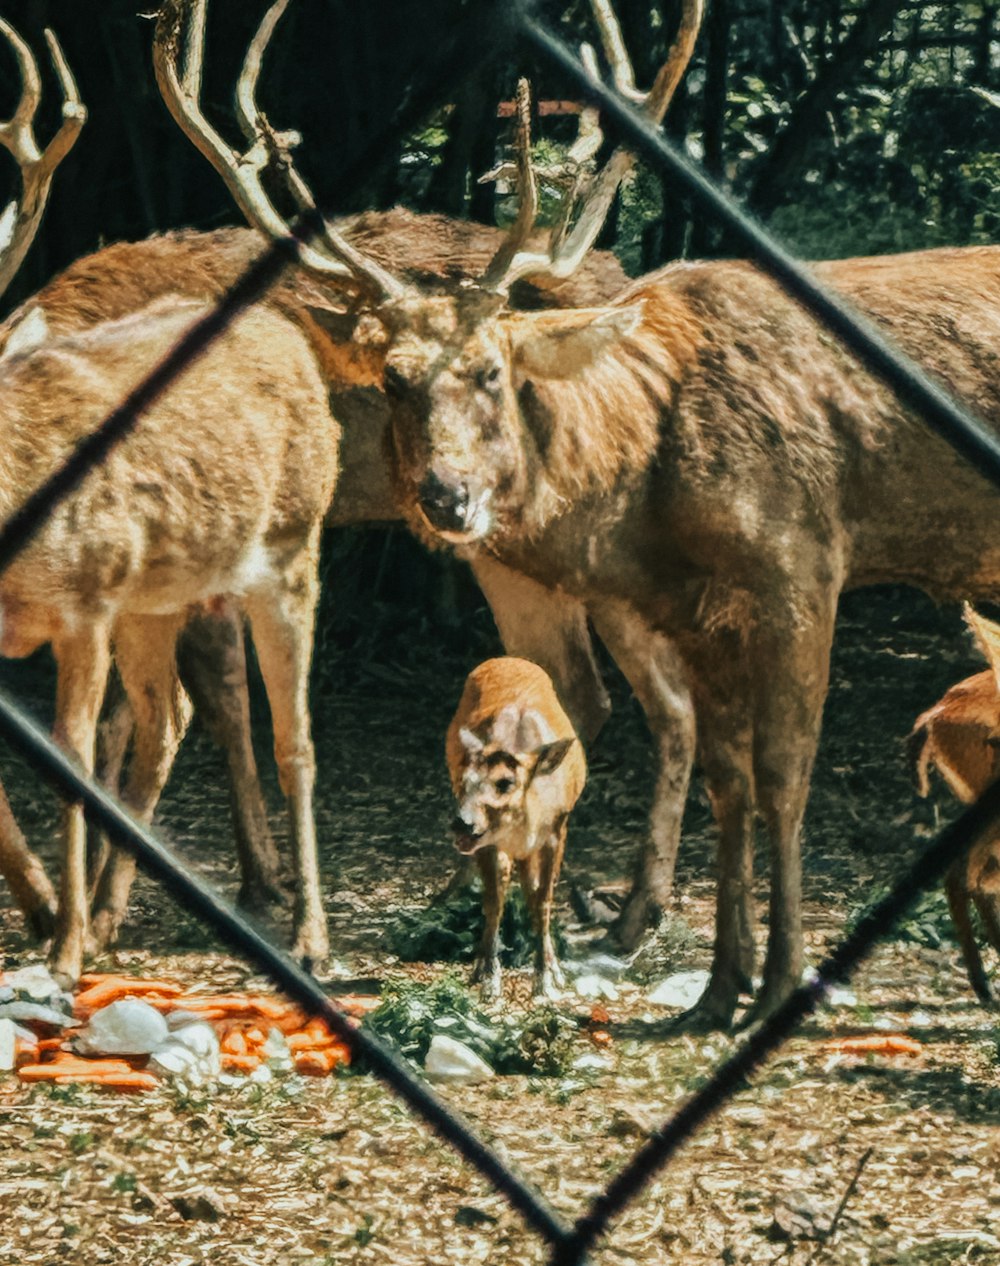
(543, 624)
(220, 489)
(19, 223)
(121, 280)
(702, 461)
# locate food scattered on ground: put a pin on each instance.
(125, 1033)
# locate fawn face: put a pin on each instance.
(510, 789)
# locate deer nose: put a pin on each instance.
(445, 502)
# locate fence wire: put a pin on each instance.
(485, 36)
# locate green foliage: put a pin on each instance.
(449, 931)
(928, 922)
(539, 1043)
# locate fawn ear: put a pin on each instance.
(532, 731)
(470, 742)
(30, 332)
(551, 756)
(564, 344)
(987, 635)
(504, 728)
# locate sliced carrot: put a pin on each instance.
(600, 1037)
(129, 1081)
(875, 1044)
(233, 1043)
(318, 1064)
(112, 988)
(51, 1070)
(25, 1053)
(46, 1044)
(240, 1063)
(356, 1004)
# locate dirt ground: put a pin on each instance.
(336, 1170)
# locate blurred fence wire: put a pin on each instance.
(492, 31)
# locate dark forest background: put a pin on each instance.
(848, 126)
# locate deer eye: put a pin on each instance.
(488, 379)
(395, 383)
(504, 785)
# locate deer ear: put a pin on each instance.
(504, 728)
(987, 635)
(30, 332)
(564, 344)
(532, 731)
(551, 756)
(473, 745)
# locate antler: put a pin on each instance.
(182, 22)
(568, 246)
(22, 216)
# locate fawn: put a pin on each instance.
(517, 769)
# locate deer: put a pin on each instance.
(23, 870)
(220, 490)
(959, 737)
(699, 462)
(122, 279)
(517, 769)
(547, 625)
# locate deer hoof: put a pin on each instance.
(311, 948)
(264, 895)
(487, 977)
(104, 927)
(42, 923)
(638, 915)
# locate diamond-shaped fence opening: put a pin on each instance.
(478, 41)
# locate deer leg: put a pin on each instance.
(791, 678)
(957, 892)
(282, 624)
(987, 905)
(82, 661)
(539, 875)
(494, 870)
(114, 734)
(212, 661)
(657, 675)
(725, 745)
(144, 651)
(550, 629)
(25, 875)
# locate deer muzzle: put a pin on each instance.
(453, 508)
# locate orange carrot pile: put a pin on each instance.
(242, 1022)
(874, 1044)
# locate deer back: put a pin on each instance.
(519, 687)
(228, 471)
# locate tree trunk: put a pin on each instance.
(791, 148)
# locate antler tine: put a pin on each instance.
(567, 247)
(527, 210)
(278, 146)
(21, 218)
(243, 174)
(615, 51)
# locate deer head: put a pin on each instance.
(20, 219)
(509, 789)
(465, 374)
(469, 379)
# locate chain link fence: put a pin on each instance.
(489, 34)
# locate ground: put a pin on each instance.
(336, 1170)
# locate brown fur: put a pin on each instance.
(958, 737)
(122, 279)
(221, 489)
(509, 724)
(781, 473)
